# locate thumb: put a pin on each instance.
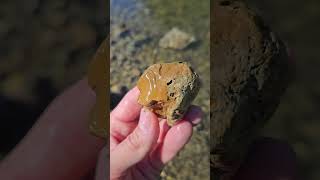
(137, 145)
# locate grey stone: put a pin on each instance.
(176, 39)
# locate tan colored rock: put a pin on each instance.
(249, 73)
(168, 89)
(98, 79)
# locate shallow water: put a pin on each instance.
(155, 18)
(158, 18)
(151, 15)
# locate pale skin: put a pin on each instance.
(144, 142)
(59, 147)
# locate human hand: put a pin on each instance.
(140, 143)
(59, 146)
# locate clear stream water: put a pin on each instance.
(192, 16)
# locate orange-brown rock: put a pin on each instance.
(98, 79)
(168, 89)
(249, 73)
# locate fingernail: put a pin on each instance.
(145, 121)
(195, 115)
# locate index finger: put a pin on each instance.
(128, 109)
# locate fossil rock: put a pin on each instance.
(98, 79)
(249, 73)
(176, 39)
(168, 89)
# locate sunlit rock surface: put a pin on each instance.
(168, 89)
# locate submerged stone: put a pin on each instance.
(176, 39)
(168, 89)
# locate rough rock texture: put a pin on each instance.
(98, 79)
(168, 89)
(249, 73)
(128, 63)
(176, 39)
(134, 51)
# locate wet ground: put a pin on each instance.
(136, 29)
(45, 46)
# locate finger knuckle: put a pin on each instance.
(133, 141)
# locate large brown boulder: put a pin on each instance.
(249, 73)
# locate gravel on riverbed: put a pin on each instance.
(132, 50)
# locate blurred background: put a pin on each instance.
(46, 45)
(298, 117)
